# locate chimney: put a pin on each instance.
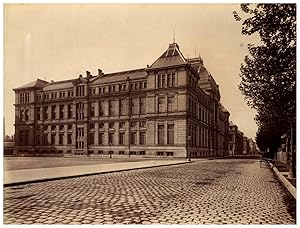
(88, 74)
(80, 76)
(100, 72)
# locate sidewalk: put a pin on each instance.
(15, 177)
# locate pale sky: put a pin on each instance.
(58, 42)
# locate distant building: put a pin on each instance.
(236, 144)
(246, 147)
(171, 108)
(252, 147)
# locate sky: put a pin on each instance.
(60, 41)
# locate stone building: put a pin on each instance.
(252, 147)
(236, 144)
(171, 108)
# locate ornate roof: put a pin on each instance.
(35, 84)
(171, 57)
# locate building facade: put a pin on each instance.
(236, 143)
(171, 108)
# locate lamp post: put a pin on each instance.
(189, 152)
(110, 150)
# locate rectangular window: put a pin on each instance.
(61, 139)
(22, 115)
(92, 110)
(161, 131)
(142, 105)
(122, 107)
(45, 136)
(111, 108)
(163, 81)
(80, 111)
(26, 115)
(61, 127)
(92, 126)
(92, 138)
(158, 81)
(101, 125)
(161, 104)
(80, 90)
(170, 134)
(121, 152)
(133, 138)
(134, 106)
(173, 79)
(101, 108)
(142, 138)
(122, 138)
(53, 107)
(61, 111)
(52, 139)
(70, 127)
(111, 125)
(169, 80)
(45, 112)
(38, 113)
(70, 138)
(101, 138)
(171, 104)
(110, 138)
(37, 140)
(69, 111)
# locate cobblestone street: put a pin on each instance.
(202, 192)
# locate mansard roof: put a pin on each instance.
(34, 84)
(59, 85)
(171, 57)
(121, 76)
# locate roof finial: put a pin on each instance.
(173, 35)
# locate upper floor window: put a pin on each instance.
(80, 111)
(111, 108)
(134, 106)
(161, 104)
(80, 90)
(171, 103)
(142, 105)
(24, 97)
(101, 108)
(70, 93)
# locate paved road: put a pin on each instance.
(206, 192)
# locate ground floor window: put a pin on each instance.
(132, 153)
(121, 152)
(170, 154)
(160, 153)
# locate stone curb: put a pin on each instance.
(88, 174)
(285, 182)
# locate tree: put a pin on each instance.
(268, 75)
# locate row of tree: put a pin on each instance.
(268, 75)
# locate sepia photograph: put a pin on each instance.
(158, 114)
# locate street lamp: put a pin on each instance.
(189, 152)
(110, 150)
